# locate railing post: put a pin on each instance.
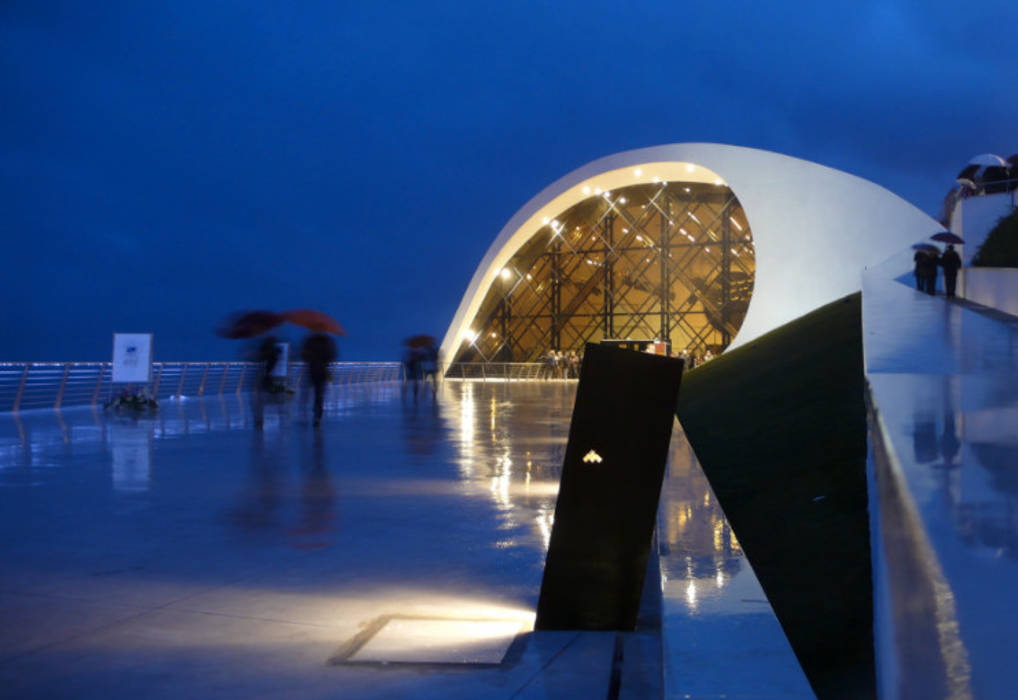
(155, 385)
(183, 373)
(204, 376)
(63, 386)
(98, 383)
(222, 383)
(21, 387)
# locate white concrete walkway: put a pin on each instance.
(943, 381)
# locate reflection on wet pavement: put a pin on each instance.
(721, 636)
(943, 382)
(188, 543)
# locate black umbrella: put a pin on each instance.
(947, 237)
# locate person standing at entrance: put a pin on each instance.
(951, 262)
(318, 351)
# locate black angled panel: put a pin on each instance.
(611, 480)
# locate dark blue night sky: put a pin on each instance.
(165, 163)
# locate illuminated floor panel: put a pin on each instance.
(430, 641)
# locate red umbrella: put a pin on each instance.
(314, 320)
(248, 324)
(947, 237)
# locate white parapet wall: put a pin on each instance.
(973, 219)
(996, 287)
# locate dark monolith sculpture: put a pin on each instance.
(608, 497)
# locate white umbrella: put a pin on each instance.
(982, 169)
(988, 159)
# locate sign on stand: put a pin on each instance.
(132, 358)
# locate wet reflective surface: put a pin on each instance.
(944, 379)
(721, 636)
(183, 553)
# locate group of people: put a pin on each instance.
(691, 360)
(563, 364)
(927, 263)
(318, 351)
(420, 364)
(559, 364)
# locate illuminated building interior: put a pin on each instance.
(656, 261)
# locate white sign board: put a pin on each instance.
(279, 371)
(132, 358)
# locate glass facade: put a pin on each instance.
(663, 261)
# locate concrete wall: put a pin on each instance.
(975, 217)
(996, 287)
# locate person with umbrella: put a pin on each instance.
(951, 262)
(919, 258)
(318, 351)
(420, 361)
(267, 356)
(250, 324)
(926, 262)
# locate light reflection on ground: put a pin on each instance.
(186, 542)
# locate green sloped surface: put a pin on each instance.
(1000, 249)
(779, 426)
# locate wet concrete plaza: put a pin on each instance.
(396, 552)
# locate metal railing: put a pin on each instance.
(35, 385)
(501, 371)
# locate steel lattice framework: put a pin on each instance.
(666, 261)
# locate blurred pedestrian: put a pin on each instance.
(548, 364)
(318, 351)
(429, 366)
(574, 364)
(267, 356)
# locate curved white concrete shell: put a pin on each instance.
(814, 228)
